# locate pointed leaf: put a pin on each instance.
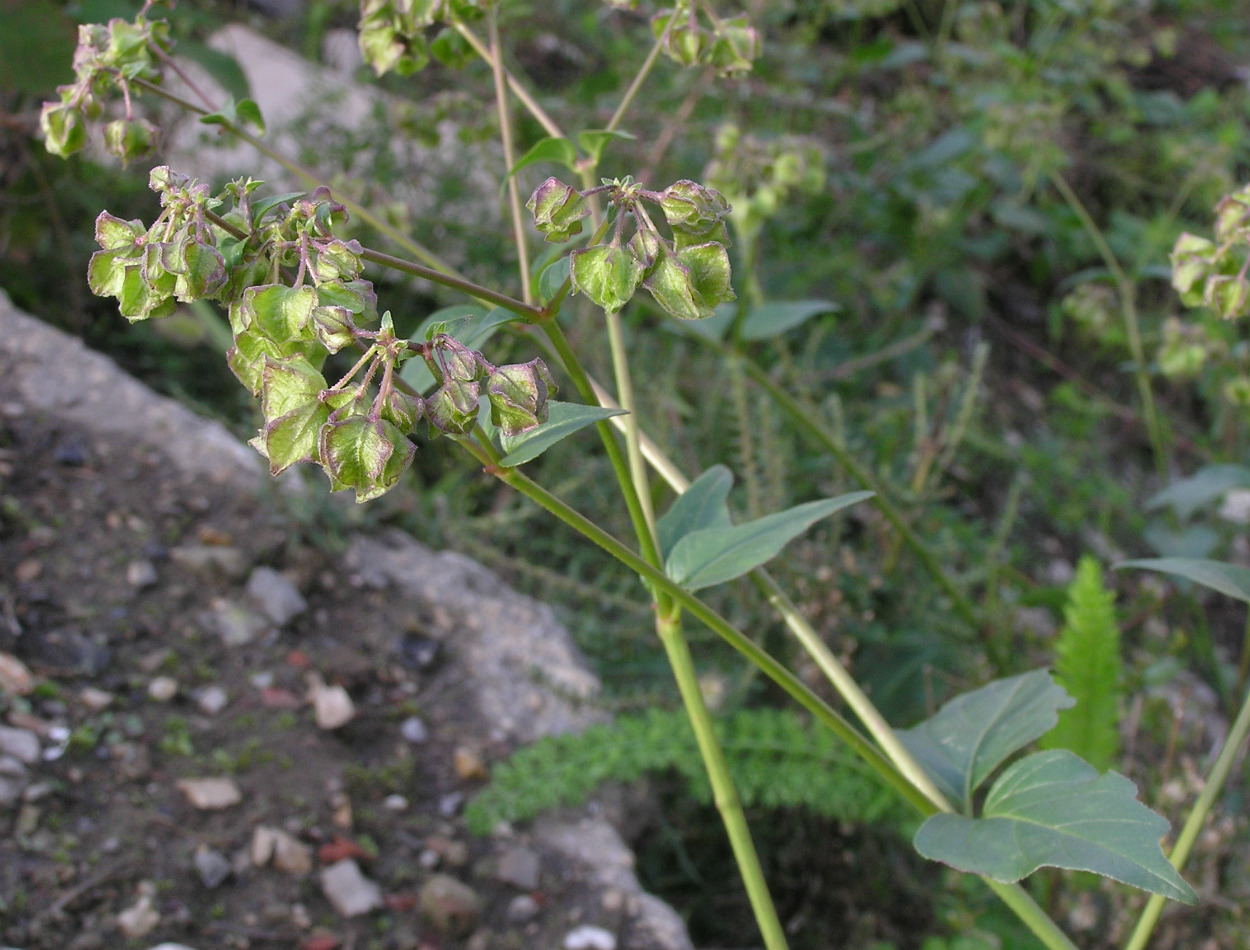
(702, 505)
(1053, 810)
(715, 555)
(773, 319)
(221, 66)
(549, 149)
(1205, 486)
(594, 141)
(563, 419)
(552, 279)
(1230, 579)
(974, 733)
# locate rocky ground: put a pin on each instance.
(215, 734)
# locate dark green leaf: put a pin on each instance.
(1053, 810)
(715, 555)
(221, 66)
(593, 141)
(702, 505)
(563, 419)
(1230, 579)
(974, 733)
(549, 149)
(552, 279)
(773, 319)
(1207, 485)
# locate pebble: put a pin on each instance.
(96, 700)
(450, 803)
(413, 730)
(21, 744)
(210, 794)
(522, 909)
(520, 867)
(351, 893)
(141, 574)
(288, 853)
(211, 558)
(12, 781)
(451, 906)
(454, 853)
(235, 624)
(211, 700)
(163, 689)
(140, 918)
(332, 705)
(15, 677)
(275, 595)
(213, 866)
(469, 764)
(172, 946)
(417, 652)
(395, 803)
(587, 937)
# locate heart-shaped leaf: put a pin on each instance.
(713, 556)
(974, 733)
(1052, 809)
(563, 419)
(700, 506)
(1230, 579)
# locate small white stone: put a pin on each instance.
(211, 700)
(139, 919)
(94, 699)
(395, 803)
(351, 893)
(332, 705)
(140, 574)
(587, 937)
(413, 730)
(210, 794)
(163, 689)
(21, 744)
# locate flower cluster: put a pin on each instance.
(295, 296)
(1213, 273)
(109, 56)
(729, 46)
(688, 275)
(392, 32)
(760, 175)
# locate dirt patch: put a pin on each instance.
(177, 628)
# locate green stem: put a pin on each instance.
(485, 294)
(723, 791)
(639, 78)
(805, 418)
(505, 137)
(1128, 309)
(625, 393)
(1032, 916)
(1193, 824)
(515, 85)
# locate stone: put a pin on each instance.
(172, 946)
(288, 853)
(210, 700)
(275, 595)
(95, 700)
(331, 704)
(520, 867)
(212, 866)
(351, 893)
(454, 853)
(264, 839)
(141, 574)
(451, 906)
(236, 624)
(20, 744)
(395, 803)
(587, 937)
(13, 781)
(211, 559)
(413, 730)
(469, 765)
(210, 794)
(15, 678)
(522, 909)
(163, 689)
(139, 919)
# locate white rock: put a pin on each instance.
(139, 919)
(21, 744)
(163, 689)
(141, 574)
(395, 803)
(15, 678)
(275, 595)
(287, 852)
(413, 730)
(351, 893)
(587, 937)
(211, 700)
(210, 794)
(334, 708)
(94, 699)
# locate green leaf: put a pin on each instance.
(287, 383)
(563, 419)
(594, 141)
(237, 114)
(221, 66)
(973, 734)
(1230, 579)
(264, 205)
(471, 324)
(1053, 810)
(700, 506)
(1088, 667)
(715, 555)
(279, 312)
(773, 319)
(1208, 484)
(552, 279)
(293, 437)
(549, 149)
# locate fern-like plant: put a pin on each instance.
(1088, 666)
(775, 758)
